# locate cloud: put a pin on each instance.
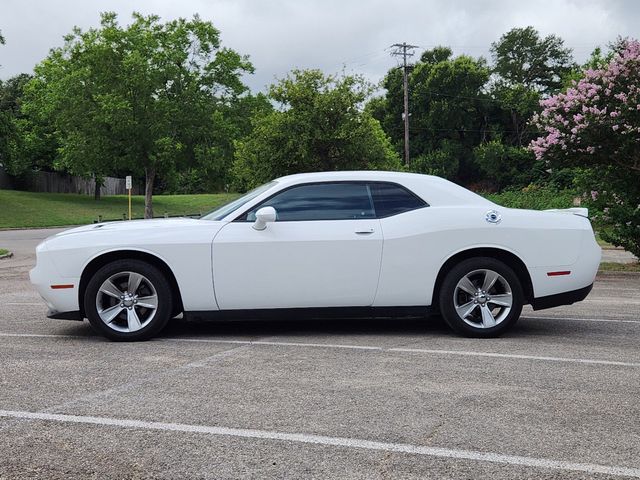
(332, 35)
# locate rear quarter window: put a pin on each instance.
(391, 199)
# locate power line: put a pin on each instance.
(404, 50)
(479, 98)
(465, 130)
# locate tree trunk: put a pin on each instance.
(96, 193)
(150, 174)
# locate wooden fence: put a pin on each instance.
(63, 183)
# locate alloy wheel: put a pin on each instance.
(127, 301)
(483, 298)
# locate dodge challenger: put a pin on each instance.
(368, 243)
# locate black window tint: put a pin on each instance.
(390, 199)
(321, 201)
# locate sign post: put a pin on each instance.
(128, 187)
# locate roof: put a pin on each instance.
(350, 175)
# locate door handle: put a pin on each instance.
(364, 232)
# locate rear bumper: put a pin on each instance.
(565, 298)
(579, 276)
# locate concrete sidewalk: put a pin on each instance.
(617, 255)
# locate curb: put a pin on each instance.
(9, 229)
(613, 273)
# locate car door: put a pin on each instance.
(323, 250)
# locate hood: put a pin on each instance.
(126, 225)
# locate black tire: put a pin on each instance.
(151, 321)
(475, 270)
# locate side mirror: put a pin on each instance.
(264, 216)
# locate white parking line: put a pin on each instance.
(332, 441)
(465, 353)
(413, 350)
(277, 344)
(516, 356)
(42, 335)
(632, 301)
(26, 303)
(569, 319)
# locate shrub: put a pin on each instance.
(534, 197)
(504, 165)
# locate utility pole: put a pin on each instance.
(404, 50)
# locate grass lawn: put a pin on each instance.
(602, 243)
(3, 251)
(28, 209)
(619, 267)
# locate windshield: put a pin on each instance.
(224, 210)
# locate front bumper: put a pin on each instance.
(62, 302)
(76, 315)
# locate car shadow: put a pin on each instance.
(306, 327)
(432, 326)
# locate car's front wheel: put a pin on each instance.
(128, 300)
(481, 297)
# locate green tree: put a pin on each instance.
(24, 145)
(506, 166)
(319, 125)
(522, 57)
(11, 92)
(8, 136)
(388, 109)
(448, 102)
(6, 127)
(466, 115)
(140, 98)
(444, 162)
(526, 68)
(513, 108)
(212, 169)
(436, 55)
(448, 112)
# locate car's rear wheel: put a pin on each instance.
(128, 300)
(481, 297)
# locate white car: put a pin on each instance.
(345, 242)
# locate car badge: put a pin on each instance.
(493, 216)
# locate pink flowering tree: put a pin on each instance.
(595, 125)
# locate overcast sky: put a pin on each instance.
(332, 35)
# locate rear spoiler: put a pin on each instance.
(580, 211)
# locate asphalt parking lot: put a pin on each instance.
(558, 397)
